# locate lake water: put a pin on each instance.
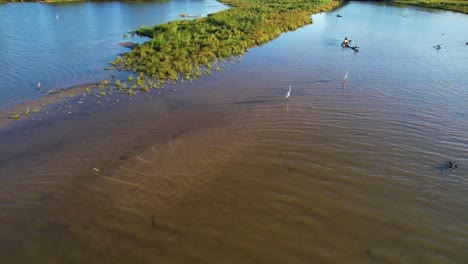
(62, 45)
(228, 171)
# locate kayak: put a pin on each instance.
(355, 48)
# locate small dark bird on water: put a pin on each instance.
(338, 15)
(453, 165)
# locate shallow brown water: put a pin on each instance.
(236, 174)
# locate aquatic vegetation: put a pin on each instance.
(124, 86)
(117, 83)
(454, 5)
(144, 88)
(102, 85)
(36, 110)
(187, 49)
(15, 116)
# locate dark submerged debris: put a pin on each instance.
(153, 222)
(130, 45)
(448, 167)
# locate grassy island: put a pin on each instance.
(187, 49)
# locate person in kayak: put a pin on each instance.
(346, 42)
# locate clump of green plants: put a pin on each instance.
(36, 110)
(144, 88)
(15, 116)
(188, 49)
(102, 85)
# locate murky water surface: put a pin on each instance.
(228, 171)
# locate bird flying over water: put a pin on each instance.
(288, 93)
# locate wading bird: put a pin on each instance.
(288, 93)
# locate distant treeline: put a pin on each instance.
(63, 1)
(453, 5)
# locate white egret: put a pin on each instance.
(288, 93)
(39, 85)
(346, 76)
